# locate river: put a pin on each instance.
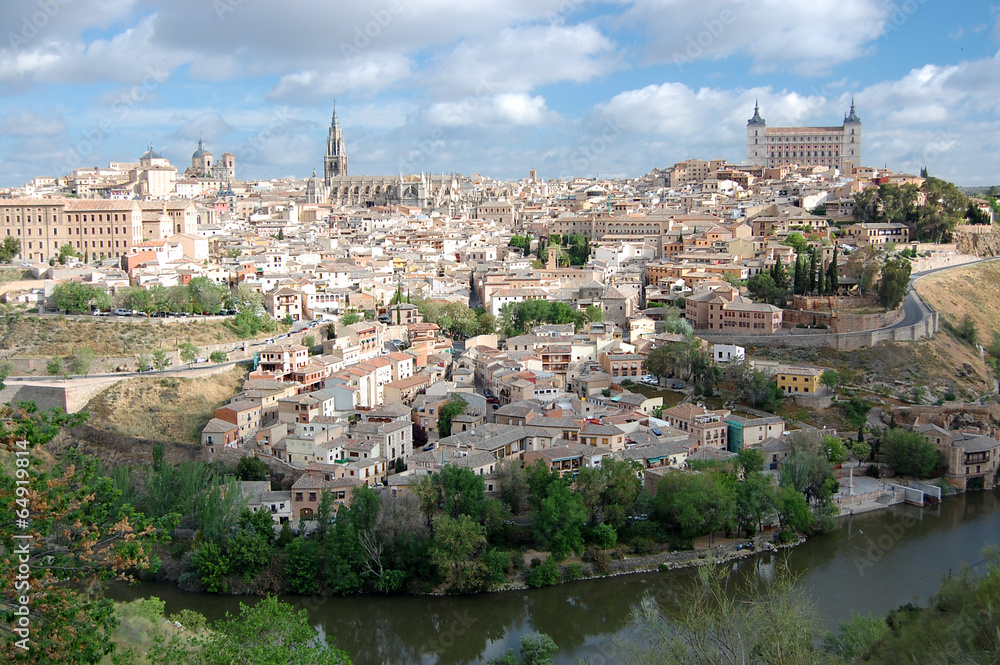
(872, 563)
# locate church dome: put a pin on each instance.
(151, 154)
(201, 152)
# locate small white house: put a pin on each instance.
(723, 353)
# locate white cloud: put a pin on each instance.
(521, 58)
(28, 123)
(517, 109)
(369, 74)
(803, 37)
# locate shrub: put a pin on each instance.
(546, 574)
(573, 572)
(190, 619)
(643, 546)
(535, 562)
(873, 471)
(600, 559)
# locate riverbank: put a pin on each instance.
(870, 563)
(728, 551)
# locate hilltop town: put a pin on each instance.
(396, 325)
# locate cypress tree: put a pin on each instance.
(812, 270)
(831, 282)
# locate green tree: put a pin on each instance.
(807, 469)
(910, 453)
(753, 499)
(84, 536)
(557, 522)
(453, 407)
(350, 318)
(830, 379)
(861, 450)
(895, 279)
(779, 274)
(856, 410)
(759, 621)
(761, 287)
(83, 357)
(188, 352)
(54, 366)
(66, 252)
(512, 486)
(160, 359)
(457, 545)
(270, 632)
(793, 509)
(578, 249)
(10, 248)
(694, 505)
(796, 241)
(456, 490)
(533, 650)
(218, 357)
(252, 468)
(966, 330)
(594, 314)
(77, 297)
(835, 450)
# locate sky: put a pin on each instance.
(497, 87)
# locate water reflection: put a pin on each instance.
(873, 563)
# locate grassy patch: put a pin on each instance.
(974, 290)
(164, 408)
(670, 397)
(8, 275)
(29, 336)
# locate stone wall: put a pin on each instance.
(815, 339)
(35, 367)
(74, 394)
(828, 311)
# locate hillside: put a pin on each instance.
(165, 408)
(26, 335)
(972, 290)
(941, 368)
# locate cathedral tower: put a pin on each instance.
(335, 163)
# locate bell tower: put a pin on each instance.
(756, 138)
(335, 162)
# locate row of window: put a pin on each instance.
(70, 218)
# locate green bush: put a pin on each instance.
(873, 471)
(600, 558)
(574, 571)
(190, 619)
(546, 574)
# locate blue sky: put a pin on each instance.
(569, 87)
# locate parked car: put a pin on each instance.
(676, 385)
(201, 360)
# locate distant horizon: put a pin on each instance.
(568, 87)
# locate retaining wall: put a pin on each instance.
(815, 339)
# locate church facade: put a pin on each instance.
(339, 187)
(204, 165)
(838, 147)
